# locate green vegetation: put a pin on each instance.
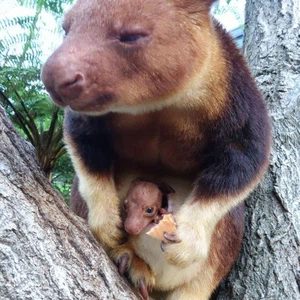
(21, 91)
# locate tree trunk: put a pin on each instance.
(46, 252)
(268, 267)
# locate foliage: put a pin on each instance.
(63, 176)
(230, 7)
(21, 90)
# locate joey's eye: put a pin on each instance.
(130, 38)
(150, 211)
(124, 206)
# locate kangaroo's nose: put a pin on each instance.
(63, 78)
(71, 87)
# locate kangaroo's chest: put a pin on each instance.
(158, 140)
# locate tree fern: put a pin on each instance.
(21, 91)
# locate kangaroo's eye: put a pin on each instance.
(130, 38)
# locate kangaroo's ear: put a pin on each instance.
(208, 2)
(165, 188)
(188, 3)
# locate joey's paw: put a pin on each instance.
(186, 247)
(141, 276)
(123, 263)
(122, 256)
(144, 290)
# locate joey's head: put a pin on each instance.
(142, 204)
(128, 55)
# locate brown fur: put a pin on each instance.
(155, 143)
(157, 89)
(225, 243)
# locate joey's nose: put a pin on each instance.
(71, 87)
(132, 229)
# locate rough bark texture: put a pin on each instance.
(268, 267)
(46, 252)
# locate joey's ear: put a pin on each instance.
(139, 179)
(165, 188)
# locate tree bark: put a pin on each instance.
(46, 252)
(268, 267)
